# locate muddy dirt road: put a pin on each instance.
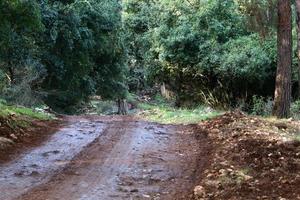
(108, 158)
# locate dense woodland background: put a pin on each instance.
(222, 53)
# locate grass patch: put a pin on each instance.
(103, 107)
(7, 110)
(169, 115)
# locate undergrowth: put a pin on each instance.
(155, 109)
(8, 110)
(169, 115)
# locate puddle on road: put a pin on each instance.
(38, 165)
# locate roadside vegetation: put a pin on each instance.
(170, 115)
(23, 112)
(155, 108)
(167, 114)
(18, 123)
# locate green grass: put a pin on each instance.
(103, 107)
(168, 115)
(6, 110)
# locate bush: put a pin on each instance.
(105, 107)
(3, 81)
(25, 90)
(261, 106)
(295, 109)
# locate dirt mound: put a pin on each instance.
(12, 127)
(254, 158)
(18, 132)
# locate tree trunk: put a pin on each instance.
(122, 107)
(165, 92)
(282, 100)
(179, 89)
(11, 74)
(298, 41)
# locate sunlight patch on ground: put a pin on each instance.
(169, 115)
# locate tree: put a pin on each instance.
(298, 40)
(140, 17)
(20, 26)
(282, 99)
(83, 51)
(211, 52)
(260, 14)
(122, 107)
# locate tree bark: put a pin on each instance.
(122, 107)
(11, 75)
(282, 99)
(298, 41)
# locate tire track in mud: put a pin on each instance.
(39, 164)
(129, 160)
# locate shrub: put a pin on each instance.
(261, 106)
(25, 89)
(3, 81)
(295, 109)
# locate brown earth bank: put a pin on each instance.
(20, 133)
(253, 158)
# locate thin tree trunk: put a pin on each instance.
(11, 74)
(282, 99)
(122, 107)
(298, 41)
(179, 95)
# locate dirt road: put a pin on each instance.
(108, 158)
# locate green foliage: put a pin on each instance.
(261, 15)
(61, 51)
(3, 81)
(103, 107)
(21, 71)
(139, 19)
(65, 55)
(7, 110)
(84, 51)
(248, 66)
(211, 51)
(169, 115)
(261, 106)
(246, 59)
(295, 109)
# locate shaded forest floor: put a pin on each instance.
(253, 158)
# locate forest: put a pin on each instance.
(149, 99)
(219, 53)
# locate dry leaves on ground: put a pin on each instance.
(254, 158)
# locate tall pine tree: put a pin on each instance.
(283, 78)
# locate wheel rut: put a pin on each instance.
(121, 159)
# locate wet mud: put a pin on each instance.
(108, 158)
